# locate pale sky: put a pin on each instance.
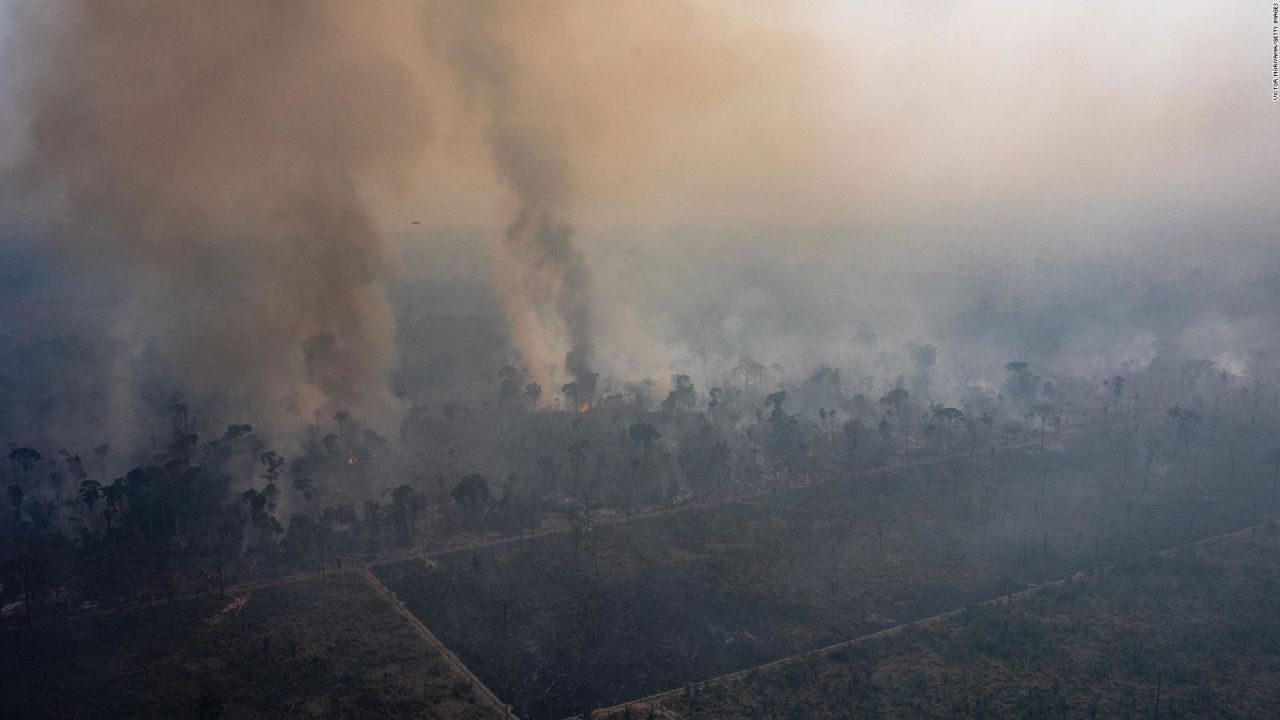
(871, 114)
(693, 137)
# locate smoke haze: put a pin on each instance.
(654, 180)
(543, 276)
(225, 150)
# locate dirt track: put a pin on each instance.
(466, 543)
(479, 688)
(650, 702)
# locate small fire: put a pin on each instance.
(583, 407)
(351, 458)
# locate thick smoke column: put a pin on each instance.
(547, 285)
(216, 153)
(218, 156)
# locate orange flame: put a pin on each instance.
(583, 407)
(351, 458)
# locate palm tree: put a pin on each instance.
(114, 495)
(90, 492)
(949, 416)
(24, 458)
(643, 434)
(1043, 410)
(472, 493)
(776, 400)
(749, 369)
(896, 399)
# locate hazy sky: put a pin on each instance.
(685, 137)
(918, 119)
(984, 122)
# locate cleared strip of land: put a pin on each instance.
(621, 612)
(500, 708)
(1191, 631)
(653, 702)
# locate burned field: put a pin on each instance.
(673, 359)
(1190, 633)
(562, 623)
(310, 648)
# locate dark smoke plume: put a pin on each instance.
(222, 154)
(547, 284)
(218, 153)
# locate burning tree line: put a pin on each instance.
(508, 464)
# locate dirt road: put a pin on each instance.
(642, 706)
